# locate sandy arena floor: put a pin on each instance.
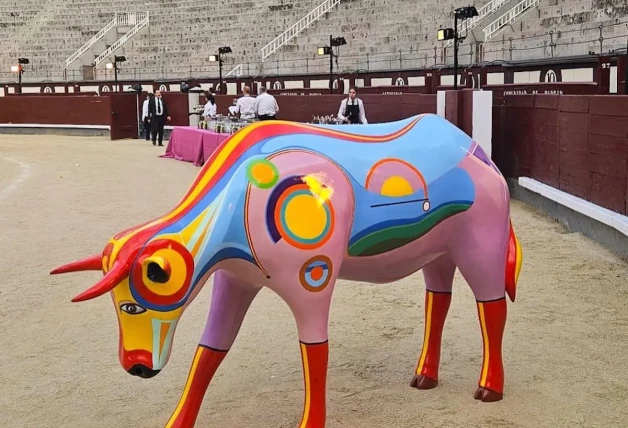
(61, 198)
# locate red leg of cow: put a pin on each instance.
(206, 362)
(314, 358)
(492, 321)
(436, 307)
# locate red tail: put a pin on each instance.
(513, 264)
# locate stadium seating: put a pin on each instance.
(381, 35)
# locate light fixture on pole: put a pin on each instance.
(218, 58)
(329, 50)
(462, 14)
(114, 66)
(19, 69)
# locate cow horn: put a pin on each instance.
(90, 263)
(107, 283)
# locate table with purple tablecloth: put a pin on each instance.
(192, 144)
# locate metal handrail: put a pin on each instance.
(484, 12)
(508, 18)
(76, 55)
(296, 28)
(122, 40)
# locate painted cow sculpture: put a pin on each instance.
(294, 207)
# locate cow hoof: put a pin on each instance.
(423, 382)
(487, 396)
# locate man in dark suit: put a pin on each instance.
(157, 116)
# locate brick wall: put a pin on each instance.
(576, 143)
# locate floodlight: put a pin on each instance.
(325, 50)
(338, 41)
(445, 34)
(109, 66)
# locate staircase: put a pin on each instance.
(89, 54)
(508, 18)
(297, 28)
(139, 22)
(484, 12)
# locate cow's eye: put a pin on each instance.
(132, 308)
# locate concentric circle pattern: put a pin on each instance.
(180, 267)
(315, 274)
(262, 173)
(297, 216)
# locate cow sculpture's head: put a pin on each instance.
(149, 277)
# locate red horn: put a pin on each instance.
(107, 283)
(90, 263)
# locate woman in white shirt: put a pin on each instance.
(210, 108)
(352, 109)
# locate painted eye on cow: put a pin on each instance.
(155, 273)
(132, 308)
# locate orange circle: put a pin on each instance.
(317, 273)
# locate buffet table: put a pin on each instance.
(192, 144)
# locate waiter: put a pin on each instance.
(246, 105)
(352, 109)
(266, 107)
(145, 120)
(157, 116)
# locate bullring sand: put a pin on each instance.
(61, 198)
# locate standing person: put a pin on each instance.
(157, 116)
(211, 108)
(246, 104)
(352, 109)
(266, 106)
(145, 120)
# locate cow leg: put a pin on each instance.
(484, 269)
(492, 316)
(310, 307)
(439, 277)
(230, 301)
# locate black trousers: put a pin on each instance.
(266, 117)
(147, 129)
(157, 128)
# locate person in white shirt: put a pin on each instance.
(211, 108)
(266, 107)
(145, 117)
(246, 105)
(352, 109)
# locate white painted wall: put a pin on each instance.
(416, 81)
(294, 84)
(495, 78)
(578, 75)
(381, 81)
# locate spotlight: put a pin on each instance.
(445, 34)
(338, 41)
(466, 12)
(325, 50)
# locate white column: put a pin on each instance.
(483, 119)
(440, 103)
